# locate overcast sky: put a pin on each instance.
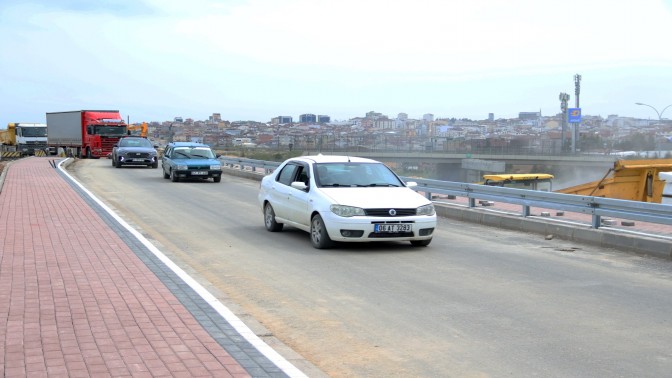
(256, 59)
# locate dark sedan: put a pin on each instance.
(134, 151)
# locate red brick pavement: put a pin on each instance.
(76, 301)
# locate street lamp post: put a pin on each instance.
(660, 114)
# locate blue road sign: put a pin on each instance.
(574, 115)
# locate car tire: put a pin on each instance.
(269, 219)
(173, 176)
(118, 163)
(421, 243)
(319, 237)
(113, 162)
(217, 179)
(155, 165)
(165, 175)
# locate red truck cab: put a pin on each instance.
(85, 133)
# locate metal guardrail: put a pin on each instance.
(597, 207)
(249, 164)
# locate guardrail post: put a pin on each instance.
(526, 210)
(597, 220)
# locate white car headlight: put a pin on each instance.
(346, 211)
(182, 167)
(215, 167)
(425, 210)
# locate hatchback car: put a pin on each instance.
(134, 151)
(185, 160)
(345, 199)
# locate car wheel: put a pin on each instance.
(318, 233)
(118, 163)
(421, 243)
(269, 219)
(217, 179)
(113, 163)
(173, 176)
(88, 154)
(165, 175)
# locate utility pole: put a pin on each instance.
(564, 98)
(575, 134)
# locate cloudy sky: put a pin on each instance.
(256, 59)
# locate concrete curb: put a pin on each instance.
(626, 242)
(4, 173)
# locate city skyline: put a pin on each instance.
(259, 59)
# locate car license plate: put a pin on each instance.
(199, 173)
(397, 227)
(138, 159)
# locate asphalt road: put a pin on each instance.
(477, 302)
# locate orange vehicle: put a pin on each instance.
(142, 128)
(633, 180)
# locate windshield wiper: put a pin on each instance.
(381, 184)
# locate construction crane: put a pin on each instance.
(142, 128)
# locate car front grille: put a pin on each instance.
(199, 167)
(386, 212)
(135, 155)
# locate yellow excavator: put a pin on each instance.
(142, 128)
(633, 180)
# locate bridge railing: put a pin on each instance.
(597, 207)
(243, 164)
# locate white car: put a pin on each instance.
(345, 199)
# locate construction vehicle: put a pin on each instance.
(85, 133)
(667, 189)
(530, 181)
(648, 180)
(142, 128)
(24, 138)
(633, 180)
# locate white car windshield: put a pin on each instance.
(355, 175)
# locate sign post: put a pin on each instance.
(574, 117)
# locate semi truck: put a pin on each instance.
(84, 133)
(24, 138)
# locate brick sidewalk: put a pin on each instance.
(81, 296)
